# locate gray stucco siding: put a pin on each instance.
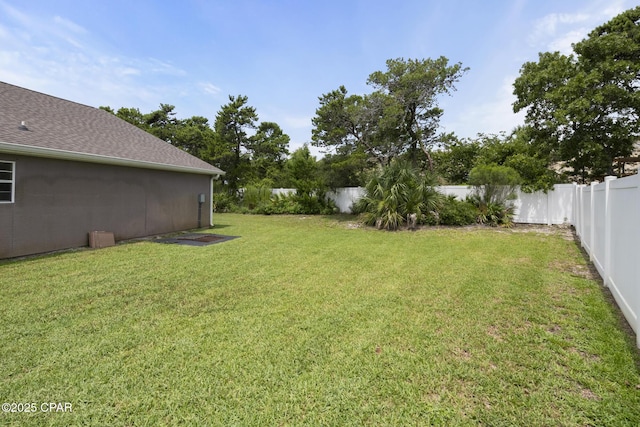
(58, 202)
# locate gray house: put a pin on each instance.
(67, 169)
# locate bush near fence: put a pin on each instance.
(554, 207)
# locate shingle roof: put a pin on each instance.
(65, 129)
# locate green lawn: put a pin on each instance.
(309, 321)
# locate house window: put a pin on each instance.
(7, 181)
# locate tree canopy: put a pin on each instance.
(246, 150)
(400, 117)
(269, 148)
(582, 111)
(585, 108)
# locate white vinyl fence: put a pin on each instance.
(554, 207)
(607, 222)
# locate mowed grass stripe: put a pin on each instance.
(306, 320)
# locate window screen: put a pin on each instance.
(7, 181)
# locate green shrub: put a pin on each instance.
(224, 202)
(297, 204)
(493, 183)
(394, 193)
(494, 187)
(456, 212)
(493, 214)
(255, 196)
(284, 204)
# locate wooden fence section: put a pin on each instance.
(607, 221)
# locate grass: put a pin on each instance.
(306, 321)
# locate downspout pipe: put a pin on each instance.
(211, 200)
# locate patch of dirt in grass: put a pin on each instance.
(565, 231)
(586, 356)
(555, 329)
(589, 395)
(583, 271)
(494, 333)
(462, 353)
(522, 329)
(432, 397)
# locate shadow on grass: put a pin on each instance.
(342, 217)
(42, 255)
(217, 226)
(60, 252)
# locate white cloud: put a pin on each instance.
(65, 30)
(162, 67)
(549, 23)
(15, 15)
(548, 26)
(55, 55)
(127, 71)
(557, 31)
(71, 26)
(614, 8)
(210, 88)
(494, 115)
(563, 44)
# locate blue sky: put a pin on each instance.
(283, 55)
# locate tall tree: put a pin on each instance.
(401, 116)
(229, 151)
(340, 121)
(194, 135)
(456, 158)
(348, 167)
(269, 149)
(131, 115)
(585, 109)
(518, 153)
(162, 123)
(414, 86)
(303, 172)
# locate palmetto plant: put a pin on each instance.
(396, 193)
(494, 187)
(495, 214)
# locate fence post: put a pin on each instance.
(592, 220)
(637, 278)
(607, 231)
(576, 208)
(577, 212)
(581, 188)
(549, 222)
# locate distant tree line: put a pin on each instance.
(582, 111)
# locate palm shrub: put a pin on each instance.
(494, 188)
(495, 214)
(394, 193)
(255, 196)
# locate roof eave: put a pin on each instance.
(51, 153)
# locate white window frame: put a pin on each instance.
(11, 181)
